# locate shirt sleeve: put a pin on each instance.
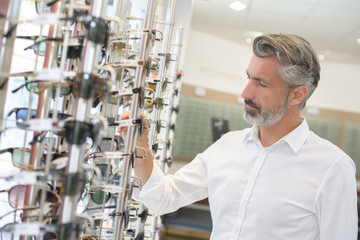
(336, 204)
(163, 194)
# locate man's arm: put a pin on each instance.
(336, 202)
(163, 194)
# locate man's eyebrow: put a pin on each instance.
(258, 78)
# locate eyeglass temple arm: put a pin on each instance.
(6, 150)
(17, 89)
(41, 41)
(12, 111)
(23, 85)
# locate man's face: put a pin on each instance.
(266, 95)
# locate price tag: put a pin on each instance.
(137, 31)
(131, 63)
(28, 229)
(50, 18)
(117, 154)
(126, 122)
(123, 92)
(53, 75)
(37, 124)
(24, 177)
(59, 163)
(112, 189)
(101, 215)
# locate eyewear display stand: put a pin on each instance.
(98, 61)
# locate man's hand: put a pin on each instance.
(143, 166)
(141, 140)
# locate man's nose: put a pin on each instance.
(248, 92)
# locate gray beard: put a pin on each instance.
(265, 117)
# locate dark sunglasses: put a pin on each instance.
(90, 86)
(76, 132)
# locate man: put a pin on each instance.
(276, 180)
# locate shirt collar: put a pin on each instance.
(295, 139)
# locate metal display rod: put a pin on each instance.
(77, 151)
(155, 119)
(10, 9)
(172, 93)
(130, 142)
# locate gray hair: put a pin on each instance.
(299, 62)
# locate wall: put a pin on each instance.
(219, 64)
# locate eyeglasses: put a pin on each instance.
(157, 102)
(105, 144)
(22, 113)
(37, 87)
(41, 4)
(90, 86)
(74, 48)
(98, 196)
(17, 196)
(20, 158)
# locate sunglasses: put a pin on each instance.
(90, 86)
(20, 158)
(42, 7)
(76, 132)
(72, 183)
(98, 196)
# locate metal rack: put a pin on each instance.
(75, 176)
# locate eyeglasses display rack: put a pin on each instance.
(94, 60)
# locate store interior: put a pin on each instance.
(191, 57)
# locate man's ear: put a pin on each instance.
(298, 95)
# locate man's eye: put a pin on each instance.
(261, 84)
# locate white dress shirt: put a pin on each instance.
(301, 188)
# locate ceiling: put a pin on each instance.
(331, 26)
